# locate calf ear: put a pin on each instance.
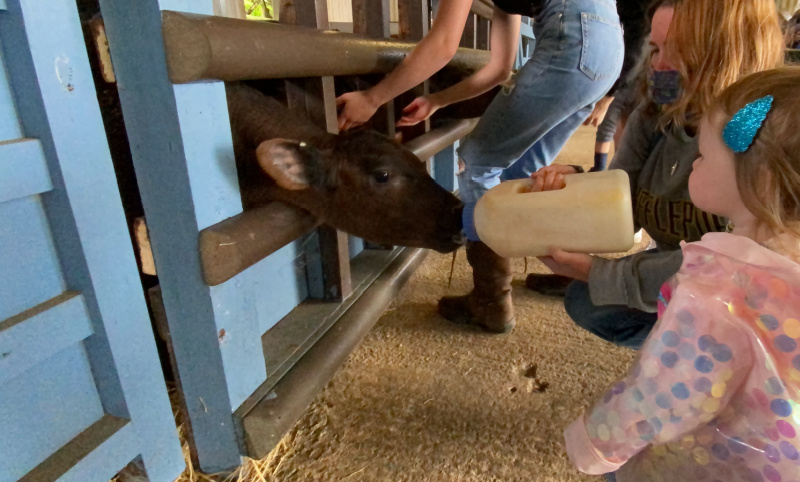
(287, 162)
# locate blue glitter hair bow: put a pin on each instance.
(741, 130)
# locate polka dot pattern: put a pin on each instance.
(780, 407)
(745, 422)
(703, 364)
(785, 344)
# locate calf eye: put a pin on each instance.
(381, 176)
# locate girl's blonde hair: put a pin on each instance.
(768, 173)
(714, 43)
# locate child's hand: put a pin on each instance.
(550, 178)
(573, 265)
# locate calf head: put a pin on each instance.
(367, 185)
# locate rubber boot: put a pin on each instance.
(488, 305)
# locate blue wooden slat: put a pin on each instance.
(56, 101)
(285, 283)
(526, 30)
(41, 332)
(445, 164)
(30, 268)
(355, 245)
(178, 201)
(23, 169)
(45, 409)
(9, 125)
(110, 457)
(206, 130)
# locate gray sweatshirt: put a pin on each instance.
(658, 165)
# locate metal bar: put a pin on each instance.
(200, 47)
(266, 423)
(434, 141)
(481, 9)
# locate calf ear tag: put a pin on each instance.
(282, 160)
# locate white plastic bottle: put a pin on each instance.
(592, 214)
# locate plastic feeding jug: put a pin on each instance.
(592, 214)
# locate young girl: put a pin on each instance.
(716, 390)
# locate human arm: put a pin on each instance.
(599, 111)
(505, 37)
(432, 53)
(689, 368)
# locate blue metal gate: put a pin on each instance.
(81, 389)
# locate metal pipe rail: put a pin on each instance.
(200, 47)
(430, 143)
(482, 9)
(233, 245)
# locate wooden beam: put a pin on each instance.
(202, 47)
(468, 35)
(318, 98)
(230, 247)
(413, 19)
(482, 34)
(371, 18)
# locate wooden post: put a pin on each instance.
(413, 17)
(317, 97)
(371, 18)
(482, 34)
(468, 36)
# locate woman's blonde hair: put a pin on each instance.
(768, 172)
(715, 42)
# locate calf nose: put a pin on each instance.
(459, 239)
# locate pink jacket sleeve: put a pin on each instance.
(695, 358)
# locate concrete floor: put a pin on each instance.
(424, 400)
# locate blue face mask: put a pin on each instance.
(665, 86)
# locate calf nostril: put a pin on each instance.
(459, 238)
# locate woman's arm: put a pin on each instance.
(432, 53)
(504, 41)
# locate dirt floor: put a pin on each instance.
(424, 400)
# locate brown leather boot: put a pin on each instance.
(488, 305)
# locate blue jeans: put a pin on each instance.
(577, 58)
(618, 324)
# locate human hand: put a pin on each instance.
(599, 112)
(550, 178)
(573, 265)
(356, 108)
(417, 111)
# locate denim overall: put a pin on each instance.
(577, 58)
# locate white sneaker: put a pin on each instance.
(637, 237)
